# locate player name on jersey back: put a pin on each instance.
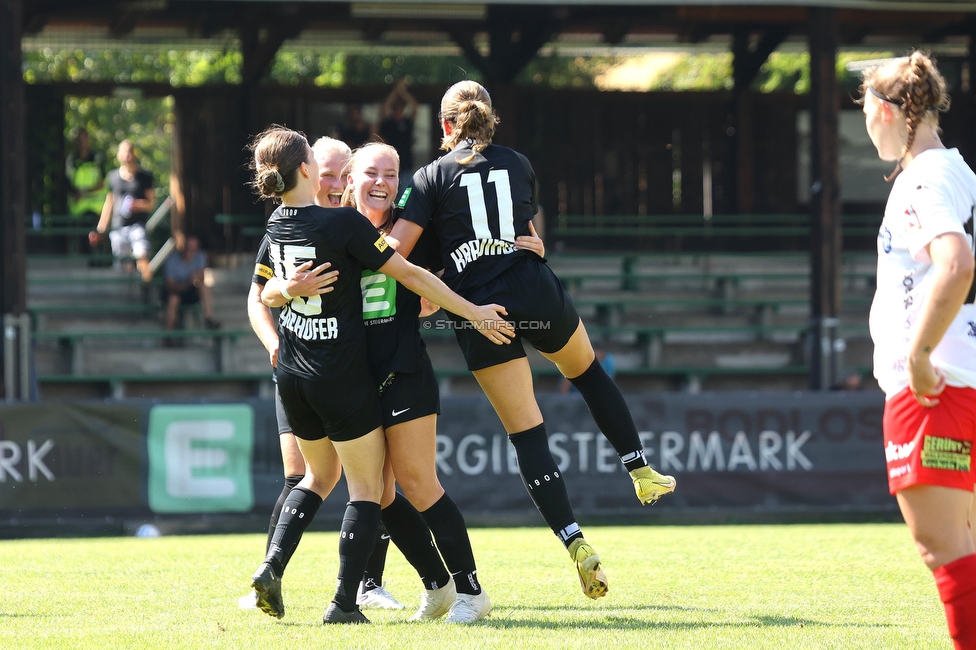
(309, 329)
(471, 250)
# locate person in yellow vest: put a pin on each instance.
(85, 171)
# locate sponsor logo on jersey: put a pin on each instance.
(901, 470)
(895, 452)
(469, 251)
(972, 328)
(379, 297)
(308, 329)
(404, 197)
(946, 453)
(885, 236)
(913, 221)
(263, 271)
(381, 244)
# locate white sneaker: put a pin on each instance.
(377, 598)
(468, 608)
(248, 601)
(434, 603)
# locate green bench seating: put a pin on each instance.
(695, 225)
(223, 341)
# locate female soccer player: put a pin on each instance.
(323, 374)
(479, 198)
(923, 323)
(400, 365)
(332, 157)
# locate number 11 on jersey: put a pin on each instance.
(479, 209)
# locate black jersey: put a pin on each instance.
(322, 337)
(391, 313)
(124, 191)
(478, 203)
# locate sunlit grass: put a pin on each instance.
(784, 587)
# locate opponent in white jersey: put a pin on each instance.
(934, 196)
(923, 323)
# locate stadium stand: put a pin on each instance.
(674, 320)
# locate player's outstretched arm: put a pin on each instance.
(488, 319)
(406, 233)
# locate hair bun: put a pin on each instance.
(279, 181)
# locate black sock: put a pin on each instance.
(359, 524)
(446, 523)
(409, 532)
(290, 483)
(610, 412)
(544, 482)
(376, 563)
(297, 513)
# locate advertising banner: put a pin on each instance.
(71, 458)
(761, 451)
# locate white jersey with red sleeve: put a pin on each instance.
(934, 195)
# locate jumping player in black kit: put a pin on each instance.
(323, 375)
(479, 198)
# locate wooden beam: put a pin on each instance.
(259, 46)
(13, 164)
(123, 23)
(825, 230)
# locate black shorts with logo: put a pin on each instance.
(538, 306)
(410, 395)
(341, 410)
(280, 415)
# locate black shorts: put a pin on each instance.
(339, 410)
(409, 396)
(280, 415)
(538, 306)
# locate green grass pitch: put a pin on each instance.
(782, 587)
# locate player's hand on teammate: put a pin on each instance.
(427, 308)
(273, 353)
(531, 242)
(306, 281)
(489, 319)
(925, 380)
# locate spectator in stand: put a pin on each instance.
(356, 131)
(85, 171)
(127, 207)
(397, 115)
(184, 273)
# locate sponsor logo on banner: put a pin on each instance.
(586, 452)
(200, 458)
(16, 461)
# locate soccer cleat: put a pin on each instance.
(377, 598)
(267, 585)
(434, 603)
(651, 486)
(248, 600)
(335, 615)
(469, 608)
(591, 576)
